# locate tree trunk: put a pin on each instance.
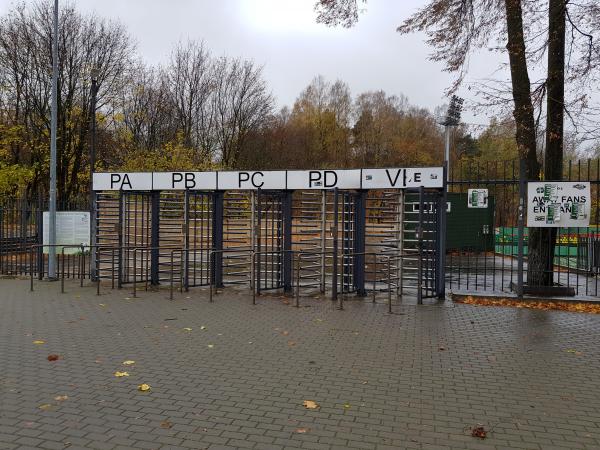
(541, 240)
(521, 88)
(541, 262)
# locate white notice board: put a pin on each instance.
(72, 228)
(477, 198)
(428, 177)
(558, 204)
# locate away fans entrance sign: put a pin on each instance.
(558, 204)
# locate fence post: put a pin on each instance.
(287, 241)
(419, 235)
(184, 264)
(120, 271)
(360, 217)
(93, 237)
(155, 238)
(40, 238)
(521, 224)
(334, 277)
(217, 240)
(258, 234)
(441, 238)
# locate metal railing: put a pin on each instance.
(298, 256)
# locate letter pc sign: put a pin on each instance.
(558, 204)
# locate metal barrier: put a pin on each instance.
(334, 291)
(212, 268)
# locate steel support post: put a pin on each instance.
(334, 231)
(323, 239)
(40, 239)
(360, 218)
(217, 239)
(521, 227)
(287, 240)
(120, 239)
(185, 264)
(258, 234)
(94, 269)
(442, 215)
(154, 237)
(419, 236)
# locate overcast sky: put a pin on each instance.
(282, 35)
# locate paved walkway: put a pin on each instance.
(421, 378)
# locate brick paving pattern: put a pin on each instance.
(421, 378)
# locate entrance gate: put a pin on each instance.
(236, 233)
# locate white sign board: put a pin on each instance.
(249, 180)
(477, 198)
(123, 181)
(428, 177)
(166, 181)
(393, 178)
(558, 204)
(323, 179)
(72, 228)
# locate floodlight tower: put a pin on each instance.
(452, 120)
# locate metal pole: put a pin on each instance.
(521, 225)
(334, 277)
(441, 240)
(93, 261)
(323, 238)
(53, 120)
(447, 150)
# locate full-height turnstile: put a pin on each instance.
(346, 239)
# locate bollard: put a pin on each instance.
(374, 279)
(298, 281)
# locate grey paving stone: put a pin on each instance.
(511, 370)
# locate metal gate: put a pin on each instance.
(198, 238)
(423, 243)
(273, 215)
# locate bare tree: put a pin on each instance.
(529, 30)
(241, 103)
(85, 42)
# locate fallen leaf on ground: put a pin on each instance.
(129, 362)
(39, 342)
(576, 352)
(101, 304)
(121, 374)
(203, 327)
(187, 329)
(210, 345)
(301, 430)
(364, 382)
(591, 308)
(442, 348)
(310, 404)
(285, 333)
(166, 424)
(291, 343)
(479, 432)
(45, 406)
(61, 398)
(53, 357)
(347, 405)
(144, 387)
